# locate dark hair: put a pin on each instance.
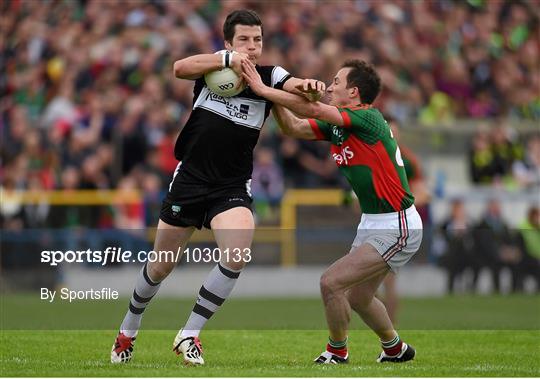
(240, 17)
(365, 78)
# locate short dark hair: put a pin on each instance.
(363, 76)
(240, 17)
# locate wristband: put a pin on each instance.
(223, 63)
(227, 58)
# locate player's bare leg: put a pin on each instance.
(360, 265)
(390, 299)
(356, 277)
(363, 301)
(373, 312)
(169, 238)
(233, 230)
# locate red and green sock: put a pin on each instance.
(392, 347)
(338, 348)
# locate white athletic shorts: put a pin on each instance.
(396, 236)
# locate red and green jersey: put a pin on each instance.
(369, 157)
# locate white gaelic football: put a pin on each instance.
(224, 82)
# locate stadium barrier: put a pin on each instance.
(289, 204)
(285, 234)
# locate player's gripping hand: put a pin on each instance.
(312, 89)
(236, 62)
(252, 77)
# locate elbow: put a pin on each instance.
(288, 132)
(286, 129)
(177, 69)
(181, 71)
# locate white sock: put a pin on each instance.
(215, 290)
(145, 289)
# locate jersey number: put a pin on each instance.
(399, 160)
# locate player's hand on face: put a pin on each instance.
(252, 77)
(236, 64)
(312, 89)
(311, 86)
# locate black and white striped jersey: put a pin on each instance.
(216, 144)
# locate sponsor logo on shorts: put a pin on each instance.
(235, 199)
(175, 209)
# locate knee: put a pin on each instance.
(157, 271)
(235, 266)
(236, 261)
(328, 284)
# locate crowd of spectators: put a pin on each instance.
(89, 101)
(470, 246)
(499, 157)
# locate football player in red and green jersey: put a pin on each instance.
(390, 230)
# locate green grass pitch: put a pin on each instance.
(454, 336)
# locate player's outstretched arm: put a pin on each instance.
(291, 125)
(195, 66)
(298, 104)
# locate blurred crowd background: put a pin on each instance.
(89, 100)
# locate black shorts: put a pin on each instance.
(192, 203)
